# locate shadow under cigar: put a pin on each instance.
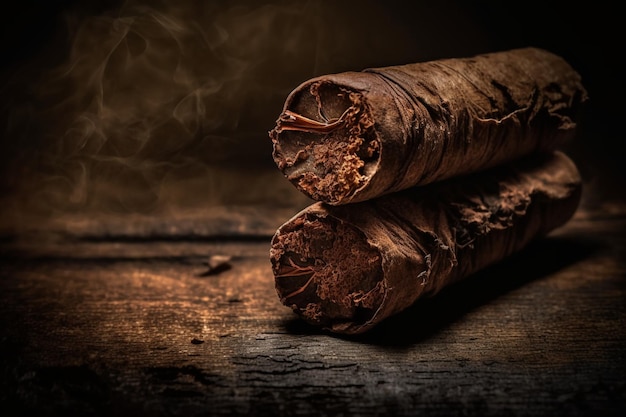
(428, 316)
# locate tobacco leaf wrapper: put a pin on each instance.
(347, 268)
(352, 136)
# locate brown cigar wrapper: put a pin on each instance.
(353, 136)
(347, 268)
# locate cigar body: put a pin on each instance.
(353, 136)
(347, 268)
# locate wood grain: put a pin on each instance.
(116, 326)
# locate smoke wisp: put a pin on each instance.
(166, 105)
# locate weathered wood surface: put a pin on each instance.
(102, 321)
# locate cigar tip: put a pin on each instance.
(327, 273)
(325, 142)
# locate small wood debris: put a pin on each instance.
(216, 264)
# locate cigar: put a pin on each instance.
(346, 268)
(353, 136)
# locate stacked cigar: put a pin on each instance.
(423, 174)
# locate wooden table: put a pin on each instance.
(118, 317)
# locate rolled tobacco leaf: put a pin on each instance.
(349, 137)
(346, 268)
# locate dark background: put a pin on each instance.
(152, 107)
(159, 108)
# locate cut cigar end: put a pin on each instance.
(325, 142)
(326, 272)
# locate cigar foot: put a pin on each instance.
(326, 273)
(328, 146)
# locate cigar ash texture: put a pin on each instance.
(346, 268)
(353, 136)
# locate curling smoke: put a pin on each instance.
(151, 98)
(169, 105)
